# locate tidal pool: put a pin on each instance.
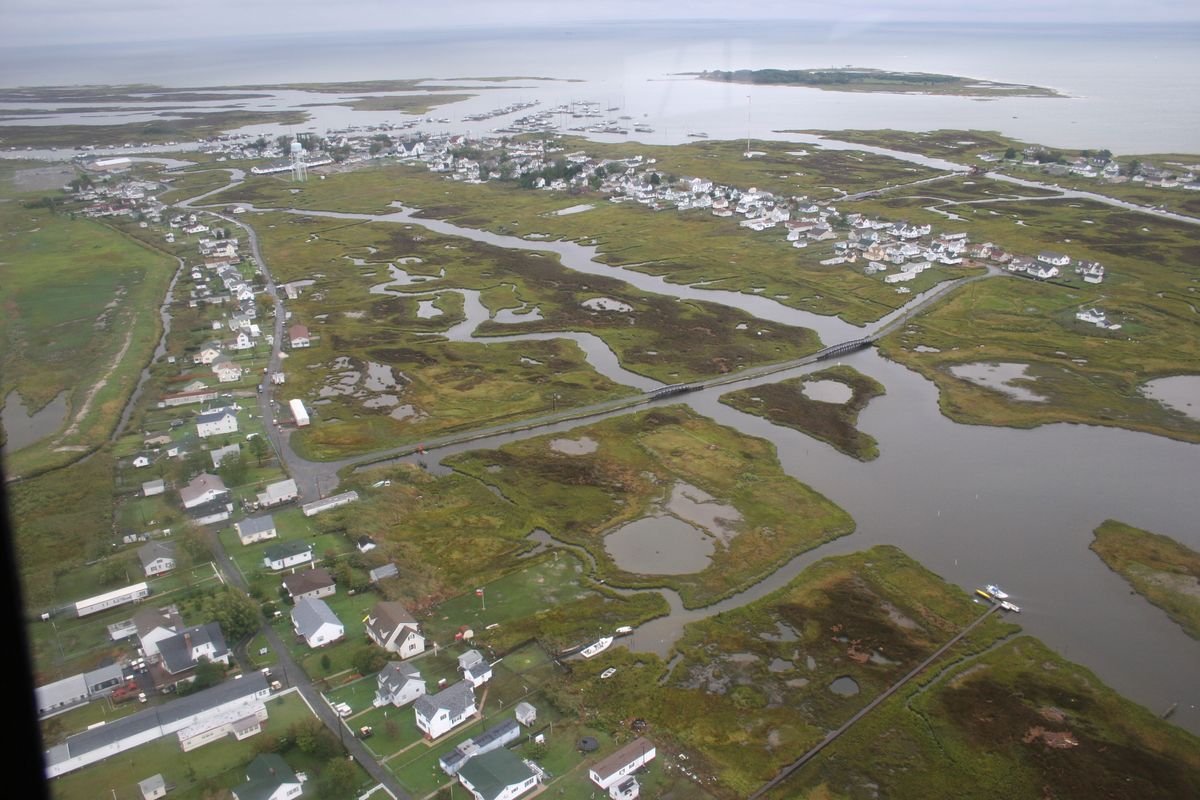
(22, 429)
(660, 546)
(606, 304)
(827, 391)
(844, 686)
(999, 377)
(1179, 392)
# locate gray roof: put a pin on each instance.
(177, 653)
(214, 416)
(103, 675)
(149, 553)
(152, 784)
(167, 714)
(386, 571)
(309, 614)
(307, 581)
(264, 775)
(251, 525)
(476, 671)
(397, 673)
(387, 616)
(67, 690)
(199, 485)
(456, 699)
(281, 550)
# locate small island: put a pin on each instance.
(858, 79)
(799, 403)
(1158, 568)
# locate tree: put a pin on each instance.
(368, 660)
(207, 674)
(655, 179)
(195, 544)
(337, 779)
(233, 611)
(326, 663)
(1010, 154)
(1134, 168)
(234, 470)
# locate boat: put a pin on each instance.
(997, 592)
(608, 673)
(643, 128)
(984, 595)
(597, 647)
(1007, 606)
(698, 135)
(623, 630)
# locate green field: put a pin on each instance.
(639, 460)
(1017, 721)
(1159, 568)
(80, 304)
(784, 403)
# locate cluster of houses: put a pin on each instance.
(124, 197)
(1102, 166)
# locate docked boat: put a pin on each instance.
(608, 673)
(597, 647)
(624, 630)
(997, 592)
(1007, 606)
(985, 595)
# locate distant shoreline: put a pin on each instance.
(857, 79)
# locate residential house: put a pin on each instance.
(622, 763)
(157, 558)
(287, 554)
(393, 628)
(215, 423)
(256, 529)
(329, 503)
(309, 584)
(268, 777)
(153, 625)
(226, 371)
(1092, 271)
(365, 544)
(221, 453)
(398, 684)
(181, 652)
(439, 713)
(298, 336)
(141, 460)
(1054, 259)
(204, 488)
(278, 493)
(498, 775)
(56, 697)
(316, 623)
(491, 739)
(526, 714)
(208, 353)
(478, 673)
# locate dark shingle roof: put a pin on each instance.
(491, 773)
(176, 651)
(456, 699)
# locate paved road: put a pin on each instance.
(790, 769)
(290, 674)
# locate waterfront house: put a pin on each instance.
(622, 763)
(493, 738)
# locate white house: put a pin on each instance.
(117, 597)
(182, 651)
(1054, 259)
(298, 336)
(315, 621)
(208, 354)
(497, 775)
(278, 493)
(438, 713)
(157, 558)
(256, 529)
(141, 461)
(226, 371)
(215, 423)
(287, 554)
(390, 626)
(204, 488)
(221, 453)
(268, 777)
(398, 684)
(309, 584)
(622, 763)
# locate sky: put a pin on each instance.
(50, 22)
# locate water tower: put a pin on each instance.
(299, 166)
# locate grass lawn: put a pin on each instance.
(220, 764)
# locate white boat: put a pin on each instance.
(624, 629)
(996, 591)
(608, 673)
(1010, 607)
(597, 647)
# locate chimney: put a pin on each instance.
(187, 641)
